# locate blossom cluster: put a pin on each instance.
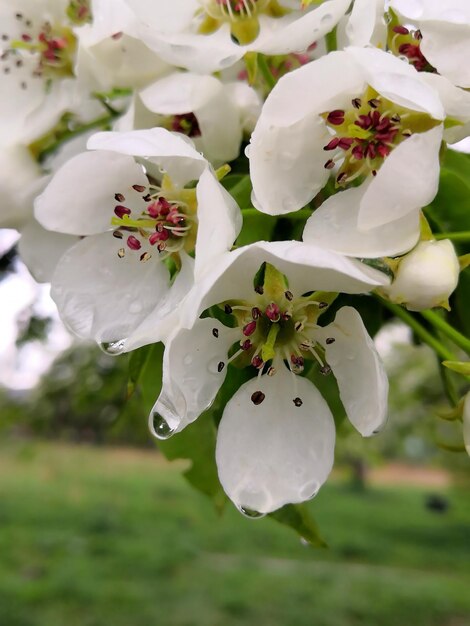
(120, 121)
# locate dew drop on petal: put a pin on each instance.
(113, 347)
(250, 513)
(160, 427)
(188, 359)
(327, 18)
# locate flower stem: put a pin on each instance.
(266, 72)
(449, 331)
(419, 330)
(460, 236)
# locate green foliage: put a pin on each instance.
(298, 517)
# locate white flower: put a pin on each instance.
(276, 438)
(444, 29)
(196, 105)
(201, 35)
(426, 276)
(122, 283)
(37, 67)
(362, 108)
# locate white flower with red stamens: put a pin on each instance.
(276, 438)
(127, 197)
(442, 42)
(198, 106)
(362, 116)
(208, 35)
(426, 277)
(38, 45)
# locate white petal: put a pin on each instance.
(191, 377)
(164, 318)
(397, 81)
(300, 32)
(334, 226)
(444, 45)
(181, 92)
(41, 249)
(362, 381)
(407, 180)
(79, 200)
(366, 24)
(171, 151)
(307, 267)
(102, 296)
(220, 221)
(275, 453)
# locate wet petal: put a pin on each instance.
(79, 200)
(194, 369)
(362, 381)
(102, 296)
(275, 452)
(334, 226)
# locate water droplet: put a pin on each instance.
(113, 347)
(250, 513)
(135, 307)
(161, 429)
(305, 542)
(327, 18)
(188, 359)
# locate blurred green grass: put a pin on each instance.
(100, 537)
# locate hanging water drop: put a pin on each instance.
(135, 307)
(113, 347)
(250, 513)
(160, 427)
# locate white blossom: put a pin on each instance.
(276, 438)
(122, 282)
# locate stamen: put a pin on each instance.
(257, 397)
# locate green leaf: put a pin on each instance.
(462, 367)
(196, 443)
(137, 361)
(256, 227)
(239, 186)
(149, 372)
(297, 517)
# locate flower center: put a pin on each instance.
(364, 135)
(168, 224)
(241, 15)
(277, 327)
(79, 12)
(53, 46)
(186, 124)
(404, 42)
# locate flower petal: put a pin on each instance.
(191, 376)
(102, 296)
(362, 381)
(79, 200)
(407, 180)
(41, 250)
(275, 452)
(220, 221)
(334, 226)
(171, 151)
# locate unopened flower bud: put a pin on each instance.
(426, 276)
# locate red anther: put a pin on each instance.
(257, 361)
(255, 313)
(400, 30)
(59, 44)
(329, 165)
(133, 243)
(298, 361)
(364, 121)
(249, 328)
(345, 143)
(335, 117)
(159, 236)
(333, 144)
(370, 151)
(383, 150)
(120, 210)
(357, 153)
(174, 216)
(26, 37)
(273, 312)
(139, 188)
(117, 35)
(246, 345)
